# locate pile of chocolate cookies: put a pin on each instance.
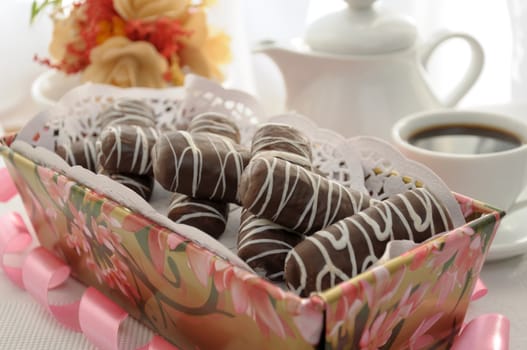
(122, 148)
(296, 225)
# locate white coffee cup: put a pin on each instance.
(497, 178)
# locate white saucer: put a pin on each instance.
(511, 238)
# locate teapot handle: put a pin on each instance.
(473, 71)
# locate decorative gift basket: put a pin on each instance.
(180, 282)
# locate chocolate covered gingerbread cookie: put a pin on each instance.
(352, 245)
(294, 197)
(200, 165)
(264, 244)
(206, 215)
(126, 149)
(81, 152)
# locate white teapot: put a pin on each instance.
(359, 70)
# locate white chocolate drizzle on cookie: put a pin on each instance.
(201, 165)
(295, 197)
(215, 123)
(264, 245)
(206, 215)
(126, 148)
(141, 184)
(128, 112)
(283, 138)
(80, 152)
(352, 245)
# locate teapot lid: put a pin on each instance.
(361, 29)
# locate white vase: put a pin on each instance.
(51, 85)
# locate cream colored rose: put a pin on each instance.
(119, 61)
(204, 50)
(150, 9)
(66, 31)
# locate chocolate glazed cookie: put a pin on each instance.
(203, 166)
(206, 215)
(283, 138)
(128, 112)
(294, 197)
(263, 244)
(143, 185)
(350, 246)
(126, 149)
(215, 123)
(81, 152)
(125, 143)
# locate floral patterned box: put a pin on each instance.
(182, 290)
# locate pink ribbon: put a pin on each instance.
(100, 319)
(486, 332)
(94, 314)
(42, 271)
(480, 290)
(14, 239)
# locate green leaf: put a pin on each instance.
(360, 324)
(77, 197)
(34, 11)
(180, 248)
(37, 8)
(395, 333)
(142, 239)
(468, 279)
(175, 271)
(95, 208)
(448, 263)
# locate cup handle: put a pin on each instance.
(473, 71)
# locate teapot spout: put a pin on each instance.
(295, 66)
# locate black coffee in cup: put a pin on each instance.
(465, 139)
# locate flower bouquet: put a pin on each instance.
(135, 42)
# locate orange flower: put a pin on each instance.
(107, 29)
(119, 61)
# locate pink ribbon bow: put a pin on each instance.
(485, 332)
(98, 317)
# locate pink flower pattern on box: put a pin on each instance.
(405, 306)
